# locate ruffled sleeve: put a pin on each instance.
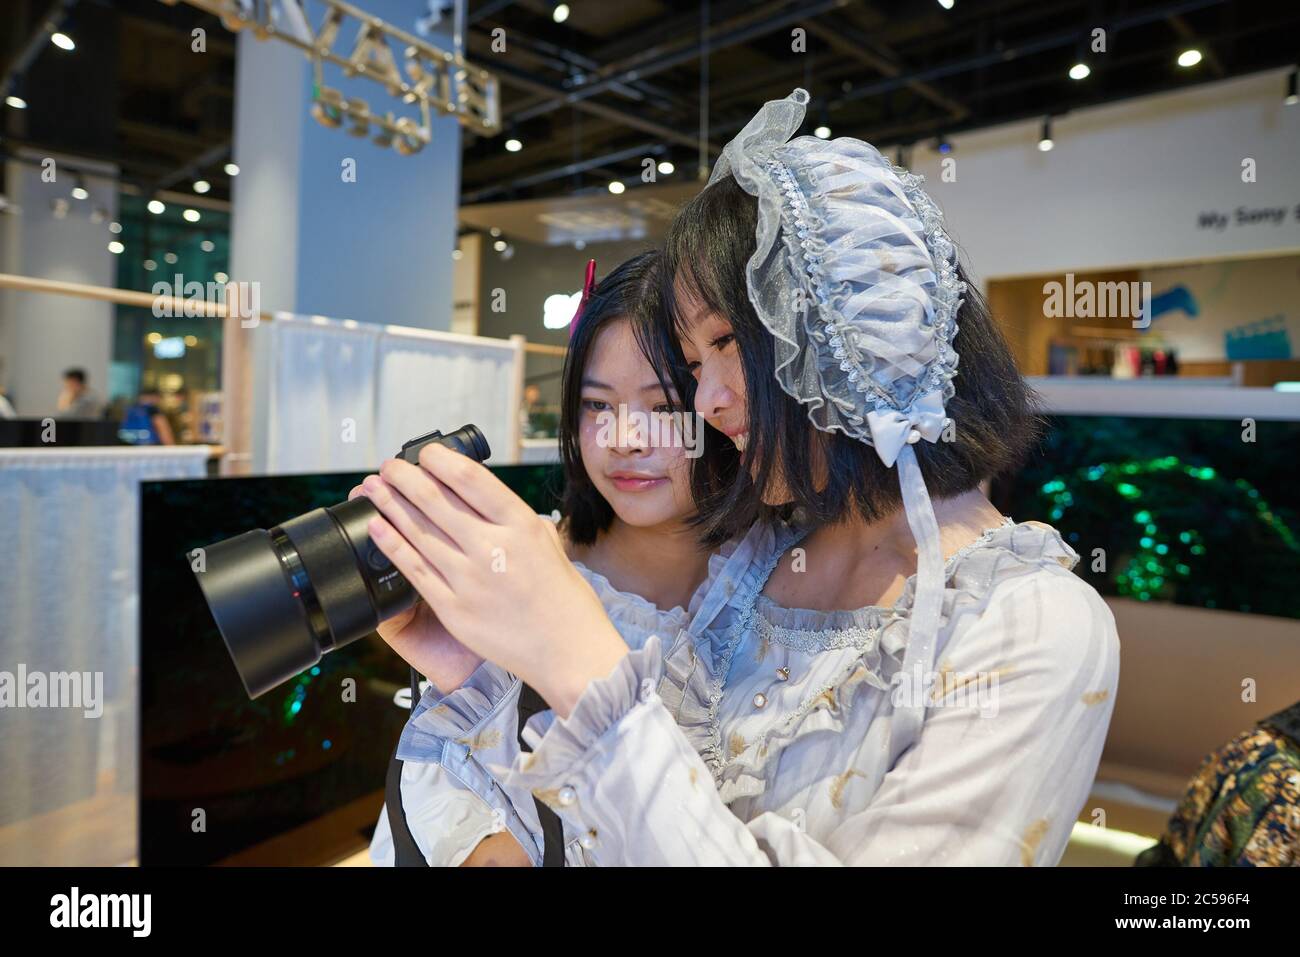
(450, 799)
(976, 788)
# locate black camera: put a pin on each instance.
(283, 598)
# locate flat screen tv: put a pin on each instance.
(1202, 512)
(296, 776)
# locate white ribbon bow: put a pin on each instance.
(890, 429)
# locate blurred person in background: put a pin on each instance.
(145, 423)
(78, 400)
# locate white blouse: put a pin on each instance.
(757, 734)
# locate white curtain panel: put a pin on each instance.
(69, 601)
(322, 392)
(428, 380)
(345, 395)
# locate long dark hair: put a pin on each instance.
(620, 295)
(705, 254)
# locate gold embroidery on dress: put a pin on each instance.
(1096, 697)
(1033, 837)
(837, 786)
(763, 645)
(482, 741)
(736, 743)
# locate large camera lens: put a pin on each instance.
(284, 597)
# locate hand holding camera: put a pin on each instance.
(494, 571)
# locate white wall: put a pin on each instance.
(42, 334)
(1127, 183)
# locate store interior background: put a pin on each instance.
(1144, 183)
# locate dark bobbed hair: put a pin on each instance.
(75, 373)
(994, 409)
(626, 291)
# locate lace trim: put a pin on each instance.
(814, 640)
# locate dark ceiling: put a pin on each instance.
(619, 81)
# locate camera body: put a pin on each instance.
(284, 597)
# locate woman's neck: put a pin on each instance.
(664, 564)
(962, 519)
(864, 563)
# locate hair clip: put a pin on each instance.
(587, 285)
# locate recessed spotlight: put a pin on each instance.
(456, 254)
(513, 145)
(499, 245)
(1189, 57)
(62, 41)
(666, 167)
(191, 215)
(1045, 138)
(153, 338)
(17, 102)
(115, 227)
(579, 245)
(116, 248)
(221, 277)
(80, 192)
(150, 265)
(156, 206)
(946, 4)
(495, 231)
(232, 169)
(191, 340)
(170, 258)
(1291, 82)
(560, 13)
(207, 245)
(822, 132)
(616, 187)
(1080, 71)
(202, 186)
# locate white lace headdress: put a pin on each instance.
(857, 281)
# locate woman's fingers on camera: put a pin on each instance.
(419, 571)
(440, 504)
(473, 483)
(356, 490)
(411, 522)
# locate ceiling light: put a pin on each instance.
(456, 254)
(17, 102)
(80, 192)
(191, 215)
(666, 167)
(114, 227)
(62, 41)
(221, 277)
(116, 248)
(153, 338)
(207, 245)
(822, 132)
(616, 187)
(495, 231)
(232, 169)
(156, 206)
(560, 13)
(191, 340)
(170, 258)
(946, 4)
(1045, 140)
(1080, 71)
(202, 186)
(150, 265)
(513, 145)
(1291, 97)
(1189, 57)
(499, 245)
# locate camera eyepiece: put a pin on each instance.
(284, 597)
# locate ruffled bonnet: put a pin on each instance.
(857, 282)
